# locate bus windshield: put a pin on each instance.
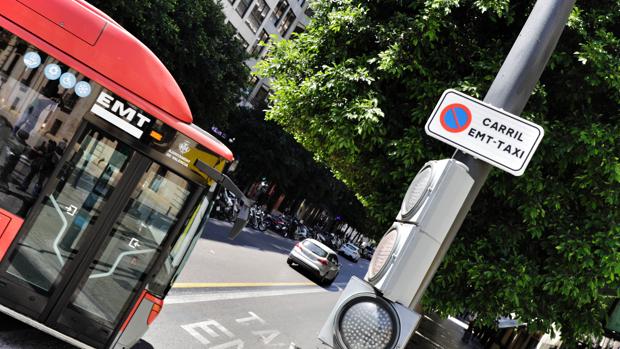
(42, 102)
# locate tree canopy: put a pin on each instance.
(191, 38)
(357, 87)
(265, 150)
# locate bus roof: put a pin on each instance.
(91, 42)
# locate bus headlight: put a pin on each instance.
(367, 322)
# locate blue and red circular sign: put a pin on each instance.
(455, 117)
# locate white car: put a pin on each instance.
(317, 258)
(350, 251)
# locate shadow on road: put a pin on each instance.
(249, 238)
(142, 344)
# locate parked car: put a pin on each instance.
(317, 258)
(350, 251)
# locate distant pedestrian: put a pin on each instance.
(17, 146)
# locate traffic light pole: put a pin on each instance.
(510, 91)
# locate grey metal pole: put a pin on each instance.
(511, 90)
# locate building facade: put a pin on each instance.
(256, 21)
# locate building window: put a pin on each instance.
(243, 6)
(258, 14)
(55, 127)
(280, 10)
(299, 30)
(286, 23)
(260, 98)
(257, 49)
(242, 40)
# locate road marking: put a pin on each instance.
(252, 317)
(239, 284)
(223, 296)
(207, 327)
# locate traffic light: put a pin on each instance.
(402, 264)
(362, 319)
(375, 314)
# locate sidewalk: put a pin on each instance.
(436, 333)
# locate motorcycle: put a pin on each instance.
(257, 218)
(226, 206)
(278, 225)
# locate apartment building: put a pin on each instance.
(256, 21)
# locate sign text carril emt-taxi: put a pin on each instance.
(485, 132)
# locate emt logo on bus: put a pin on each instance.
(116, 112)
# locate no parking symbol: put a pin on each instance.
(455, 118)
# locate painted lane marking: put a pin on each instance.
(239, 284)
(213, 297)
(209, 328)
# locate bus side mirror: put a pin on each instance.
(242, 220)
(244, 211)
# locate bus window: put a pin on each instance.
(36, 122)
(90, 177)
(180, 251)
(135, 241)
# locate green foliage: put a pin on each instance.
(191, 39)
(358, 86)
(265, 150)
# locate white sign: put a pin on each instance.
(120, 115)
(488, 133)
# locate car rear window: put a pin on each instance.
(353, 247)
(315, 249)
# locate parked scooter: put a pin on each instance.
(278, 225)
(257, 218)
(226, 206)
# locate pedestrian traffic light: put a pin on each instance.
(377, 314)
(402, 264)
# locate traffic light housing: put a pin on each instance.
(376, 313)
(402, 264)
(364, 319)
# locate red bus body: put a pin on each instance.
(91, 43)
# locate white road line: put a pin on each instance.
(224, 296)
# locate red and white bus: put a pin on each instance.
(105, 183)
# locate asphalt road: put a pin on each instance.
(242, 294)
(231, 294)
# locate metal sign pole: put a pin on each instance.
(511, 90)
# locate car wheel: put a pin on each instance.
(355, 260)
(327, 282)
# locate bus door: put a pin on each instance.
(89, 244)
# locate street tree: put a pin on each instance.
(265, 150)
(193, 41)
(357, 87)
